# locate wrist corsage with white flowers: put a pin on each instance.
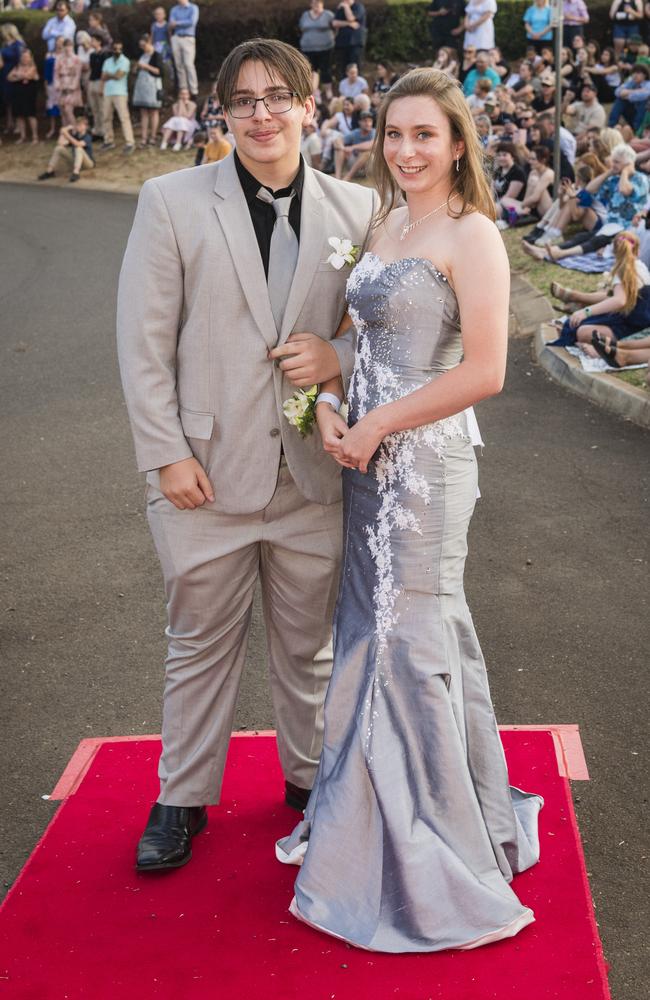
(300, 409)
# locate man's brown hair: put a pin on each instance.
(279, 59)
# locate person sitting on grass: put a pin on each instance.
(509, 178)
(635, 351)
(212, 111)
(476, 101)
(574, 204)
(217, 146)
(623, 192)
(536, 199)
(587, 113)
(610, 314)
(631, 98)
(481, 70)
(75, 145)
(353, 150)
(353, 83)
(182, 124)
(447, 61)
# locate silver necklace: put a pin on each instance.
(411, 225)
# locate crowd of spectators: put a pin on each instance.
(589, 219)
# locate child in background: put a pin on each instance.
(52, 110)
(182, 124)
(75, 146)
(200, 142)
(218, 147)
(160, 37)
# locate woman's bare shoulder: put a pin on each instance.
(476, 226)
(476, 240)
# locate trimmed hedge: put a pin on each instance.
(398, 30)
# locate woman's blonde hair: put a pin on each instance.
(610, 137)
(470, 182)
(10, 33)
(626, 253)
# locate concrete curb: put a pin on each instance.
(532, 313)
(88, 183)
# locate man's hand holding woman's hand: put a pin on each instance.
(185, 484)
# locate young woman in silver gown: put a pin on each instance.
(413, 833)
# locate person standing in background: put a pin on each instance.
(84, 48)
(10, 53)
(52, 110)
(67, 77)
(147, 91)
(317, 43)
(350, 24)
(575, 16)
(115, 75)
(537, 19)
(626, 17)
(59, 25)
(479, 24)
(444, 19)
(98, 55)
(24, 79)
(183, 19)
(96, 26)
(162, 44)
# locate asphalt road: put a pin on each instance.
(557, 577)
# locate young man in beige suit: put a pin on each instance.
(225, 269)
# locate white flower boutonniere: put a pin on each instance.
(345, 252)
(300, 409)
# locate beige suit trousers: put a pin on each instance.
(184, 54)
(96, 102)
(211, 563)
(119, 103)
(76, 156)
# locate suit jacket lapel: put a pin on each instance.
(233, 214)
(312, 237)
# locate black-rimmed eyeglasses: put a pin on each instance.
(276, 104)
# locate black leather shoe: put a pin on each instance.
(296, 797)
(167, 836)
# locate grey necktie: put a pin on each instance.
(283, 255)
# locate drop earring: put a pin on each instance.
(457, 164)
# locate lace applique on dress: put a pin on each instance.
(375, 381)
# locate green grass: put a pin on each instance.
(541, 274)
(636, 377)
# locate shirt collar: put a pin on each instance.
(251, 185)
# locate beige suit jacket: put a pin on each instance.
(194, 327)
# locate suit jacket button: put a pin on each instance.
(274, 432)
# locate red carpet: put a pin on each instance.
(80, 923)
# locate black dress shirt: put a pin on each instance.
(96, 62)
(262, 214)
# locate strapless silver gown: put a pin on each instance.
(413, 833)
